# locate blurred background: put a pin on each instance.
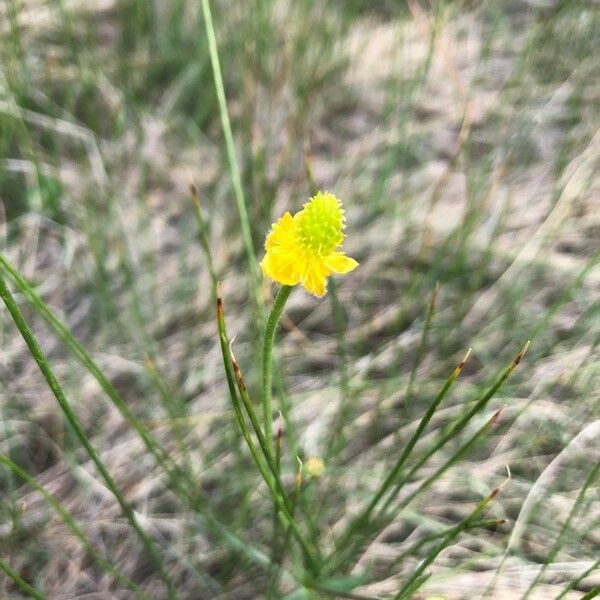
(462, 138)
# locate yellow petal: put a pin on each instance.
(302, 248)
(281, 262)
(282, 233)
(338, 262)
(315, 276)
(283, 268)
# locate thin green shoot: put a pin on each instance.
(407, 589)
(70, 522)
(278, 497)
(20, 582)
(232, 158)
(65, 406)
(364, 516)
(267, 361)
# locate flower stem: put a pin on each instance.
(268, 472)
(267, 367)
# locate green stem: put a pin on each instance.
(59, 394)
(73, 526)
(276, 548)
(204, 239)
(408, 588)
(267, 366)
(231, 157)
(280, 501)
(30, 591)
(360, 521)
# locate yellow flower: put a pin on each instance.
(304, 248)
(314, 467)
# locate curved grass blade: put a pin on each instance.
(573, 584)
(591, 478)
(19, 581)
(280, 499)
(88, 362)
(71, 417)
(73, 526)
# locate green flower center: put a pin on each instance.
(321, 223)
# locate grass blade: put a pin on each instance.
(460, 424)
(29, 590)
(593, 593)
(575, 582)
(203, 237)
(278, 497)
(177, 478)
(383, 518)
(73, 526)
(88, 362)
(363, 517)
(423, 342)
(591, 478)
(416, 546)
(231, 156)
(65, 406)
(408, 588)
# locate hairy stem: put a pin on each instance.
(267, 367)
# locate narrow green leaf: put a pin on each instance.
(65, 406)
(73, 526)
(20, 582)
